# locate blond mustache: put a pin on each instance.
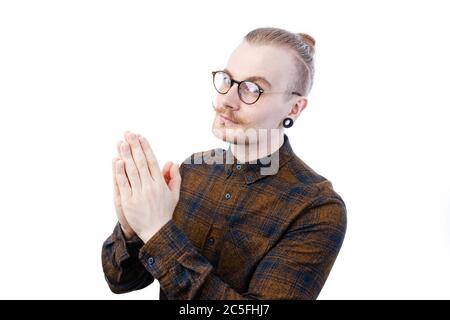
(223, 110)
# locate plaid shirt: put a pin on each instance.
(237, 234)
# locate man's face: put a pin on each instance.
(274, 64)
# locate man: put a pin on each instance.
(250, 222)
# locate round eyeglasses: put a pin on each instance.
(248, 91)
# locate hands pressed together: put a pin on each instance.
(144, 197)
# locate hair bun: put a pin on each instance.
(308, 40)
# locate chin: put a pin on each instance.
(231, 135)
(220, 133)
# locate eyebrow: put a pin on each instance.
(254, 78)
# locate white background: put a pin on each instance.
(74, 75)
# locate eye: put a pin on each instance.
(226, 79)
(222, 82)
(251, 87)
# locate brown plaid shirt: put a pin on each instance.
(237, 234)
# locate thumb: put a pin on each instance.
(166, 172)
(175, 178)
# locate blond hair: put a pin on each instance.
(301, 45)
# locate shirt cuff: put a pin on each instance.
(161, 252)
(124, 249)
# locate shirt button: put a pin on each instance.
(227, 195)
(151, 260)
(210, 240)
(238, 166)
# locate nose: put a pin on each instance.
(231, 98)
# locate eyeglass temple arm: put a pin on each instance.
(293, 92)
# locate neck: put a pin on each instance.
(262, 147)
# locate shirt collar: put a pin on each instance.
(261, 168)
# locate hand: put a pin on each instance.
(129, 233)
(148, 196)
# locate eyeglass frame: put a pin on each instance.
(260, 90)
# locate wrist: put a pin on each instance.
(147, 235)
(129, 236)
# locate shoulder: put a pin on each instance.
(321, 202)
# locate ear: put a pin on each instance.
(298, 107)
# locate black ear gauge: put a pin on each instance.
(288, 122)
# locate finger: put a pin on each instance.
(122, 181)
(119, 153)
(175, 179)
(130, 167)
(151, 159)
(166, 172)
(119, 150)
(116, 188)
(139, 159)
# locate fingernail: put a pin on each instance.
(132, 136)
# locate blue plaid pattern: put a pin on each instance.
(237, 234)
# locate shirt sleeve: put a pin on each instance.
(295, 268)
(121, 266)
